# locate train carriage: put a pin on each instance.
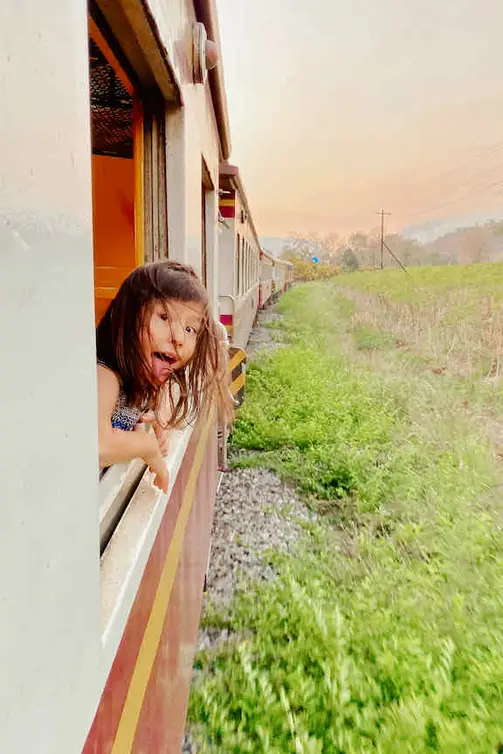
(114, 125)
(239, 254)
(266, 278)
(283, 275)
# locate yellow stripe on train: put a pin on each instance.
(238, 384)
(237, 369)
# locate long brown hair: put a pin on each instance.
(118, 342)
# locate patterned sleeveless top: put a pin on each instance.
(123, 416)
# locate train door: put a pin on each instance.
(208, 238)
(128, 170)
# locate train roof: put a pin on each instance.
(285, 262)
(206, 13)
(268, 255)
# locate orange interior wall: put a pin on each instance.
(113, 226)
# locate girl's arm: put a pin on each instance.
(116, 445)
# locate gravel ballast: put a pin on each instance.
(254, 512)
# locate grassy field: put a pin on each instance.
(451, 315)
(383, 633)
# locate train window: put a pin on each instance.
(248, 268)
(207, 218)
(117, 194)
(114, 128)
(155, 226)
(243, 268)
(238, 264)
(204, 231)
(129, 207)
(245, 264)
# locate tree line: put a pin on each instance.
(319, 256)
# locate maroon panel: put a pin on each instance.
(182, 618)
(162, 720)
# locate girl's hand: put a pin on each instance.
(161, 434)
(162, 438)
(157, 466)
(155, 462)
(161, 478)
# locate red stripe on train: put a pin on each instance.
(161, 723)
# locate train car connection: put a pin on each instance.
(239, 268)
(114, 126)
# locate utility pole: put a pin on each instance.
(382, 213)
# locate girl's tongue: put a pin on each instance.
(161, 367)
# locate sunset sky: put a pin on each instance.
(338, 109)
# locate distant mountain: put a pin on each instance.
(274, 245)
(430, 231)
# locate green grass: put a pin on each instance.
(453, 315)
(383, 632)
(422, 284)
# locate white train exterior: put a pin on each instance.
(282, 275)
(114, 142)
(239, 262)
(99, 172)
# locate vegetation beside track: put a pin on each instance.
(383, 632)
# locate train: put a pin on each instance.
(249, 277)
(115, 151)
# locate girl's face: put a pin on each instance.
(170, 336)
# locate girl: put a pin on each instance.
(160, 359)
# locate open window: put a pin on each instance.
(117, 181)
(129, 206)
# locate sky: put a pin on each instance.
(340, 109)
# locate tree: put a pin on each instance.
(300, 247)
(473, 246)
(349, 260)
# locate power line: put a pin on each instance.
(475, 188)
(438, 184)
(482, 153)
(395, 258)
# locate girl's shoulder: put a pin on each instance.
(103, 364)
(123, 416)
(109, 386)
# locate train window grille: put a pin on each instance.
(111, 108)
